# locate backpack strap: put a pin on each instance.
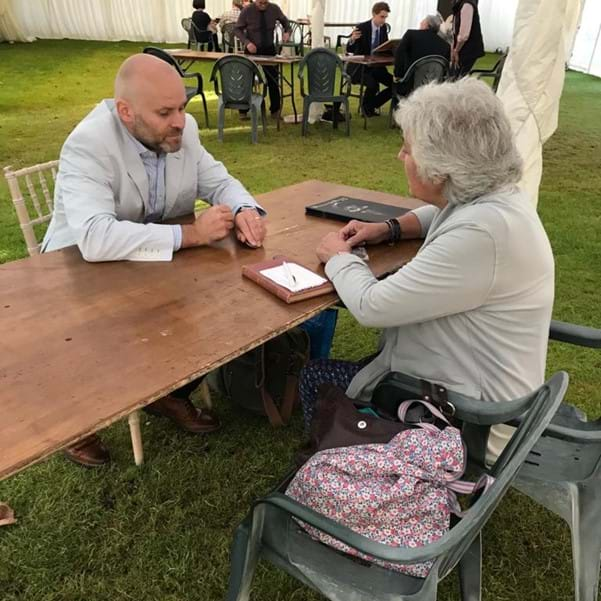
(271, 409)
(276, 419)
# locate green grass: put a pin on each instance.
(162, 532)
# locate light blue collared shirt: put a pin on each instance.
(154, 206)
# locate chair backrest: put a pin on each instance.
(322, 65)
(32, 191)
(230, 40)
(498, 71)
(164, 56)
(544, 405)
(427, 69)
(295, 38)
(237, 75)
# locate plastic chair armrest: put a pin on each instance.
(483, 72)
(402, 555)
(196, 76)
(575, 334)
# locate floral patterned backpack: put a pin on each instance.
(400, 493)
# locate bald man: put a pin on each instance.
(132, 163)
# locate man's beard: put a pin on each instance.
(142, 133)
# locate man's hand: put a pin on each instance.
(250, 227)
(285, 36)
(330, 245)
(359, 232)
(251, 48)
(355, 34)
(212, 224)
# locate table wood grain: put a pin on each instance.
(84, 344)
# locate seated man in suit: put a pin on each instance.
(133, 162)
(365, 37)
(415, 44)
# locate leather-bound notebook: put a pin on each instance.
(288, 280)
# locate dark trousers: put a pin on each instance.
(465, 66)
(272, 75)
(214, 44)
(186, 390)
(372, 78)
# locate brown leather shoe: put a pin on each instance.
(90, 452)
(185, 415)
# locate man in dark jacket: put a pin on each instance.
(415, 44)
(365, 37)
(255, 29)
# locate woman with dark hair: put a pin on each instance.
(202, 24)
(468, 45)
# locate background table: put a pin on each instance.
(270, 61)
(85, 344)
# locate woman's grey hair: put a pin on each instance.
(434, 22)
(458, 133)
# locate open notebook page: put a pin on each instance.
(295, 278)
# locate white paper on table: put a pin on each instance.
(304, 277)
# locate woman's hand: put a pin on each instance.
(330, 245)
(359, 232)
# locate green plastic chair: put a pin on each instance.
(495, 72)
(238, 75)
(295, 41)
(322, 65)
(563, 473)
(191, 91)
(269, 531)
(422, 71)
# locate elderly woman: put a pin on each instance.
(472, 309)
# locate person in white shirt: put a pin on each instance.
(472, 310)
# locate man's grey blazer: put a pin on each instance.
(102, 185)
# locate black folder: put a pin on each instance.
(344, 208)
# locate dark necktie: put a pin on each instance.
(263, 29)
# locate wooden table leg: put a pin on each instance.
(136, 437)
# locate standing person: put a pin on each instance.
(132, 163)
(364, 38)
(203, 23)
(255, 29)
(468, 45)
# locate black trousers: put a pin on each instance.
(186, 390)
(373, 98)
(272, 75)
(465, 65)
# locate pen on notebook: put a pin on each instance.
(289, 274)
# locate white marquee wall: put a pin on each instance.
(159, 21)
